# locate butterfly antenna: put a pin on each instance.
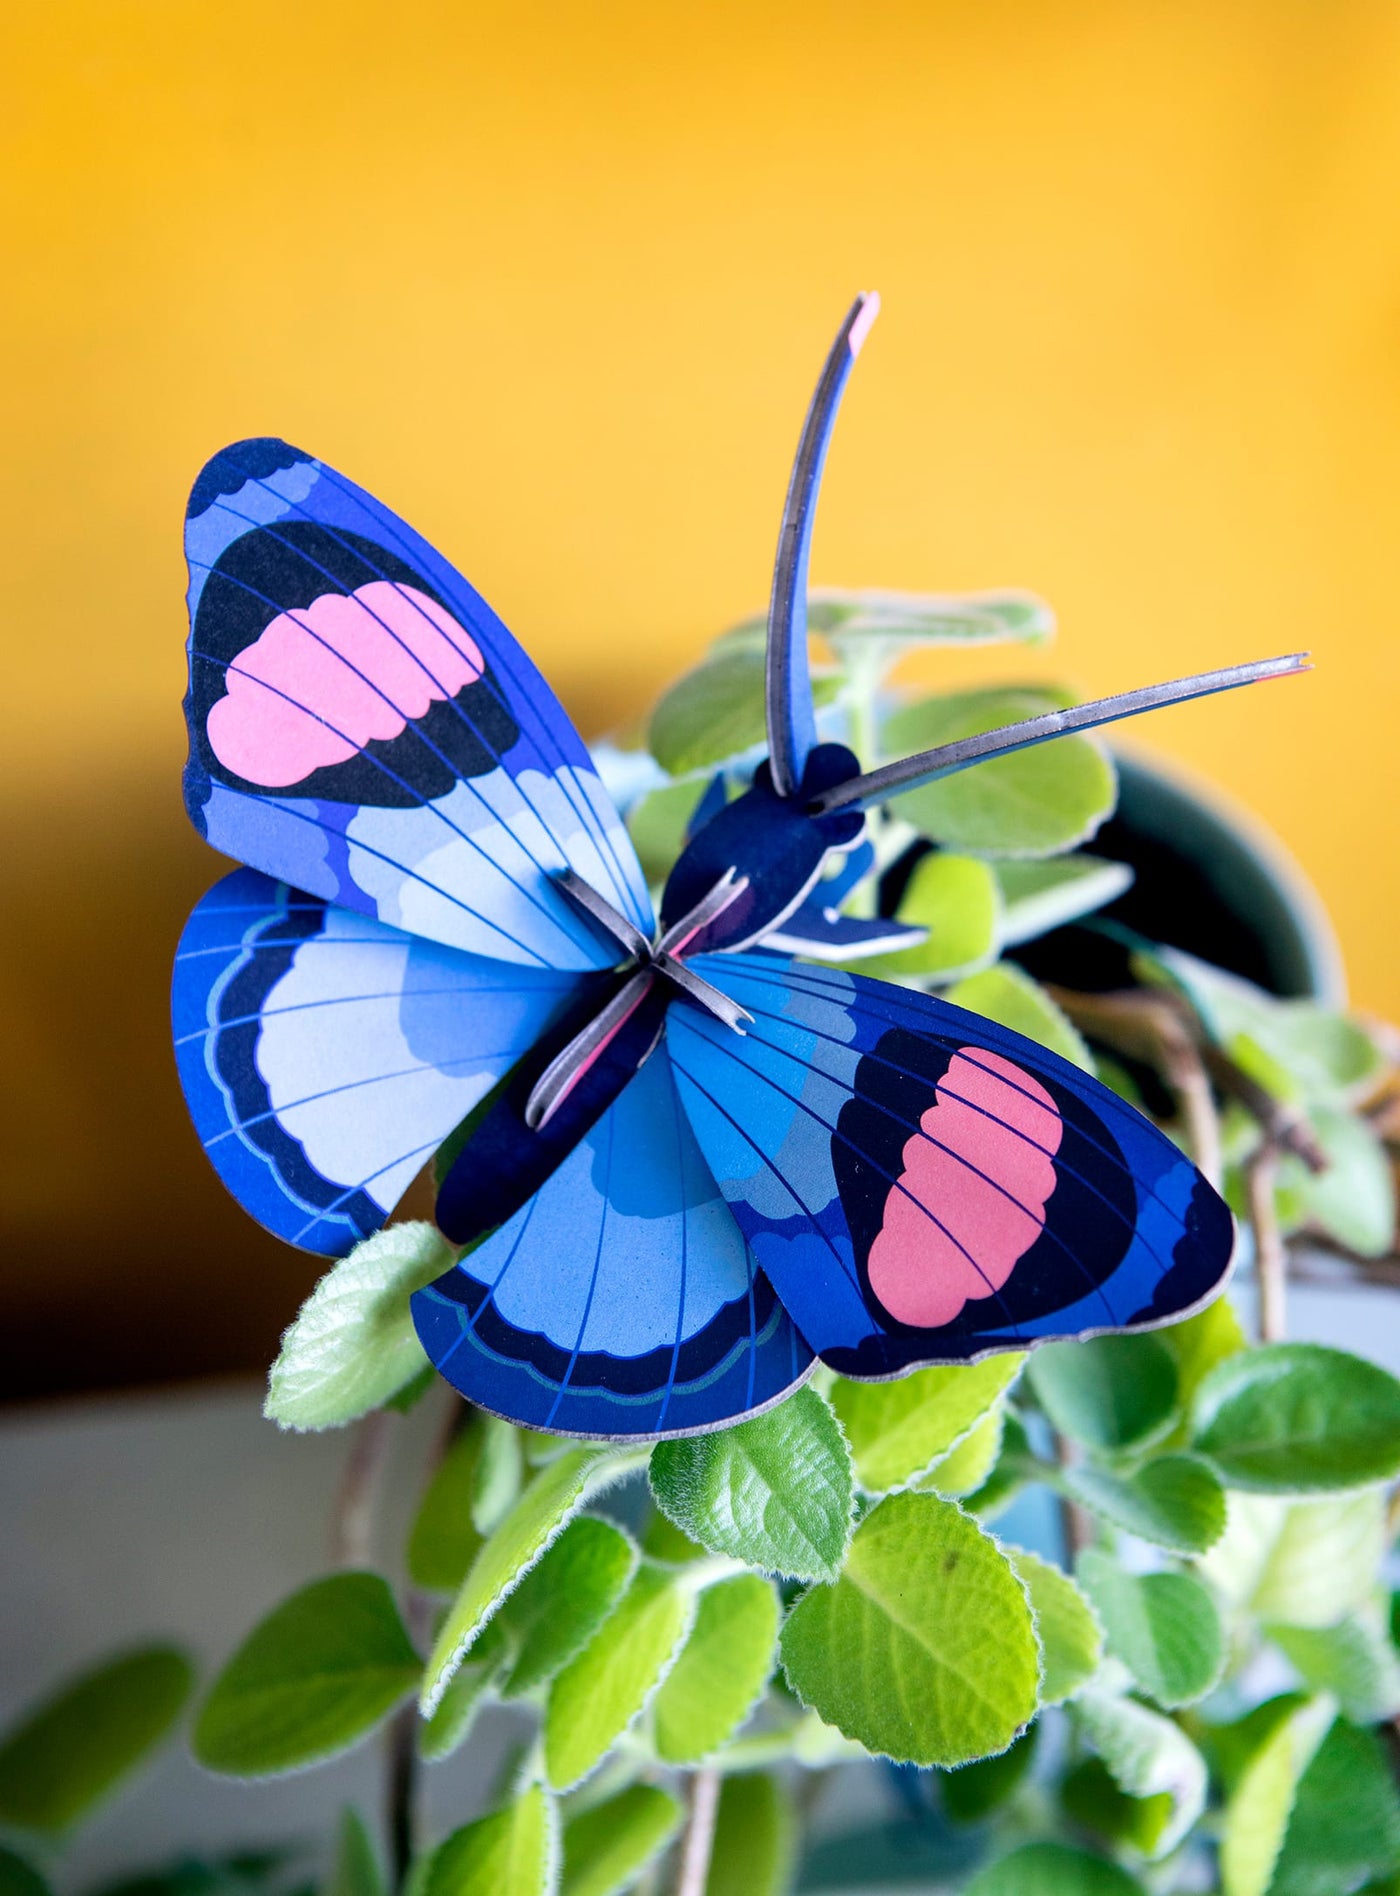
(946, 759)
(792, 727)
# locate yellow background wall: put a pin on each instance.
(555, 280)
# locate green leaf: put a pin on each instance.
(1198, 1344)
(722, 1669)
(562, 1602)
(598, 1695)
(658, 824)
(1036, 802)
(1298, 1418)
(924, 1649)
(898, 1430)
(443, 1541)
(1355, 1661)
(1094, 1801)
(1070, 1639)
(353, 1344)
(478, 1675)
(1149, 1756)
(607, 1846)
(1353, 1201)
(1008, 996)
(1108, 1392)
(1039, 896)
(1175, 1501)
(546, 1507)
(70, 1751)
(356, 1870)
(965, 1469)
(956, 899)
(755, 1838)
(1163, 1626)
(513, 1852)
(851, 619)
(717, 711)
(19, 1878)
(309, 1681)
(976, 1790)
(1015, 1465)
(1303, 1563)
(1053, 1869)
(1345, 1822)
(776, 1492)
(1257, 1813)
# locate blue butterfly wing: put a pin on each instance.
(921, 1185)
(621, 1300)
(325, 1056)
(364, 727)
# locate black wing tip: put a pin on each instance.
(234, 466)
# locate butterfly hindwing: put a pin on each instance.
(325, 1057)
(621, 1300)
(363, 726)
(922, 1185)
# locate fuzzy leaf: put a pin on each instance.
(607, 1846)
(1345, 1822)
(467, 1690)
(849, 619)
(1008, 996)
(309, 1681)
(1353, 1201)
(18, 1877)
(722, 1669)
(972, 1793)
(1257, 1813)
(548, 1504)
(924, 1649)
(443, 1541)
(956, 899)
(1039, 896)
(1197, 1344)
(1149, 1756)
(1163, 1626)
(897, 1430)
(1053, 1869)
(1298, 1418)
(1175, 1501)
(1035, 802)
(513, 1852)
(964, 1470)
(717, 711)
(775, 1492)
(353, 1344)
(658, 824)
(755, 1838)
(356, 1870)
(1070, 1640)
(1108, 1392)
(1355, 1661)
(598, 1695)
(1094, 1801)
(562, 1602)
(67, 1753)
(1304, 1563)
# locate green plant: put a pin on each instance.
(706, 1629)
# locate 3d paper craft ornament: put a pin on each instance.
(686, 1166)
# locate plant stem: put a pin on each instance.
(1270, 1256)
(699, 1834)
(352, 1519)
(402, 1792)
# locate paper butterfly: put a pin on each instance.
(687, 1166)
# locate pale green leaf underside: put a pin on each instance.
(1108, 1392)
(1071, 1643)
(1149, 1756)
(1163, 1626)
(353, 1344)
(1175, 1501)
(898, 1429)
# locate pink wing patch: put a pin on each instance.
(983, 1164)
(318, 683)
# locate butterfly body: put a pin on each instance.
(683, 1165)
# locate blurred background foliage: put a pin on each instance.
(554, 280)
